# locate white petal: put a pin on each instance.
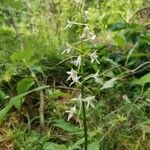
(70, 116)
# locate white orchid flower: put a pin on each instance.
(89, 100)
(86, 33)
(125, 97)
(93, 37)
(86, 14)
(96, 77)
(78, 99)
(77, 62)
(71, 112)
(94, 57)
(68, 48)
(73, 76)
(69, 24)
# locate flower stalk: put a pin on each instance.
(84, 109)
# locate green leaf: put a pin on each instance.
(138, 55)
(147, 93)
(130, 53)
(24, 85)
(76, 144)
(4, 112)
(22, 55)
(120, 40)
(16, 4)
(12, 102)
(108, 84)
(54, 146)
(143, 80)
(2, 95)
(94, 146)
(66, 126)
(117, 26)
(57, 93)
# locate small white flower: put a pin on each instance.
(93, 37)
(68, 48)
(96, 77)
(125, 97)
(94, 57)
(6, 97)
(71, 112)
(86, 14)
(73, 76)
(148, 99)
(86, 33)
(77, 62)
(69, 24)
(89, 100)
(78, 99)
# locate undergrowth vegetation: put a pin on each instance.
(74, 74)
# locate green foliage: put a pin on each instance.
(53, 146)
(108, 84)
(143, 80)
(24, 85)
(15, 102)
(2, 95)
(33, 35)
(147, 93)
(66, 126)
(56, 94)
(94, 146)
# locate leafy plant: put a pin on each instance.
(107, 92)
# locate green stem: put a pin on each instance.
(85, 126)
(84, 109)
